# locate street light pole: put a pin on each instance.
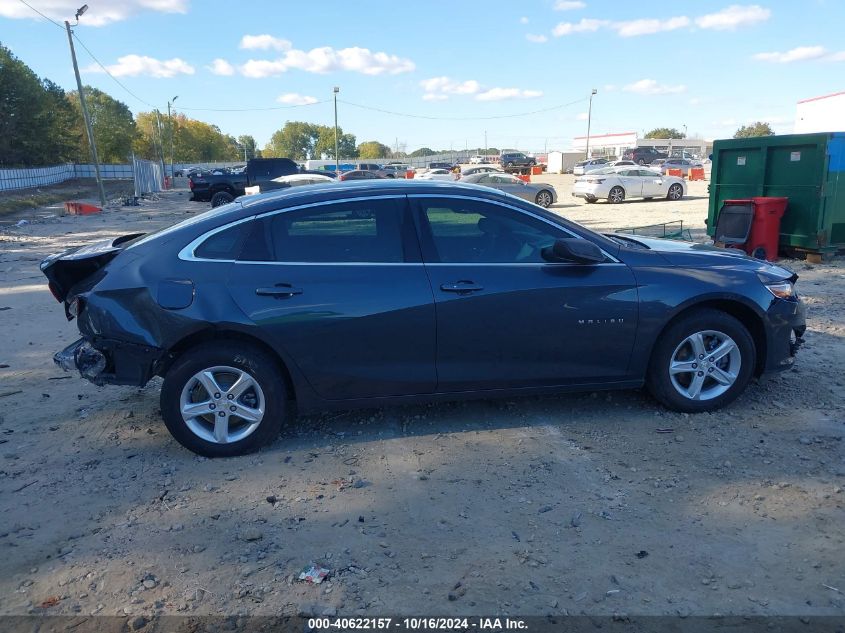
(589, 120)
(485, 143)
(336, 155)
(170, 120)
(88, 129)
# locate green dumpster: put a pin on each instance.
(809, 169)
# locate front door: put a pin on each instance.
(507, 318)
(652, 184)
(345, 295)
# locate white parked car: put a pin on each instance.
(589, 165)
(439, 174)
(477, 160)
(615, 184)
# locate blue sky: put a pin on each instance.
(469, 67)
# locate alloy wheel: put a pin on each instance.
(705, 365)
(544, 199)
(676, 192)
(222, 404)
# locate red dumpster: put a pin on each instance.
(765, 229)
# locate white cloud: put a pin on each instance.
(523, 20)
(733, 17)
(98, 14)
(134, 65)
(537, 39)
(836, 57)
(649, 27)
(651, 87)
(798, 54)
(444, 86)
(294, 98)
(569, 5)
(586, 25)
(264, 43)
(501, 94)
(326, 59)
(221, 67)
(581, 116)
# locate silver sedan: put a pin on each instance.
(537, 192)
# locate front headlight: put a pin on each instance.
(782, 289)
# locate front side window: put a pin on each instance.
(366, 231)
(467, 231)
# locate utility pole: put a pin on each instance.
(88, 129)
(589, 120)
(160, 141)
(170, 120)
(336, 155)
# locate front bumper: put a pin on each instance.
(111, 362)
(787, 323)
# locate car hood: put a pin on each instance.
(689, 254)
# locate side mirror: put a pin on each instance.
(572, 249)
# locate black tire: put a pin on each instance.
(243, 357)
(641, 162)
(675, 193)
(590, 200)
(544, 198)
(659, 381)
(509, 165)
(221, 198)
(616, 195)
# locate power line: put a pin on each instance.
(41, 14)
(286, 107)
(465, 118)
(106, 70)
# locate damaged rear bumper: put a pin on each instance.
(111, 362)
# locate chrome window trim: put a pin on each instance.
(188, 252)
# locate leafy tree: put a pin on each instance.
(37, 124)
(198, 142)
(759, 128)
(246, 145)
(664, 132)
(295, 140)
(113, 125)
(148, 141)
(325, 143)
(423, 151)
(373, 149)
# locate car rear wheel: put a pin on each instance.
(224, 399)
(544, 199)
(676, 192)
(702, 362)
(590, 200)
(616, 195)
(221, 198)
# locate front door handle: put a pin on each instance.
(461, 287)
(279, 290)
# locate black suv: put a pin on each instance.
(643, 155)
(516, 159)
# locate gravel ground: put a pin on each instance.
(595, 503)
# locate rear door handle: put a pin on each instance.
(279, 290)
(461, 287)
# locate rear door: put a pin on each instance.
(340, 287)
(505, 317)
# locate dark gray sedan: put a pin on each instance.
(537, 192)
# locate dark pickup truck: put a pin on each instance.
(223, 188)
(643, 155)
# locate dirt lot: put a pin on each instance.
(595, 503)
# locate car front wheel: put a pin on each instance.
(224, 399)
(702, 362)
